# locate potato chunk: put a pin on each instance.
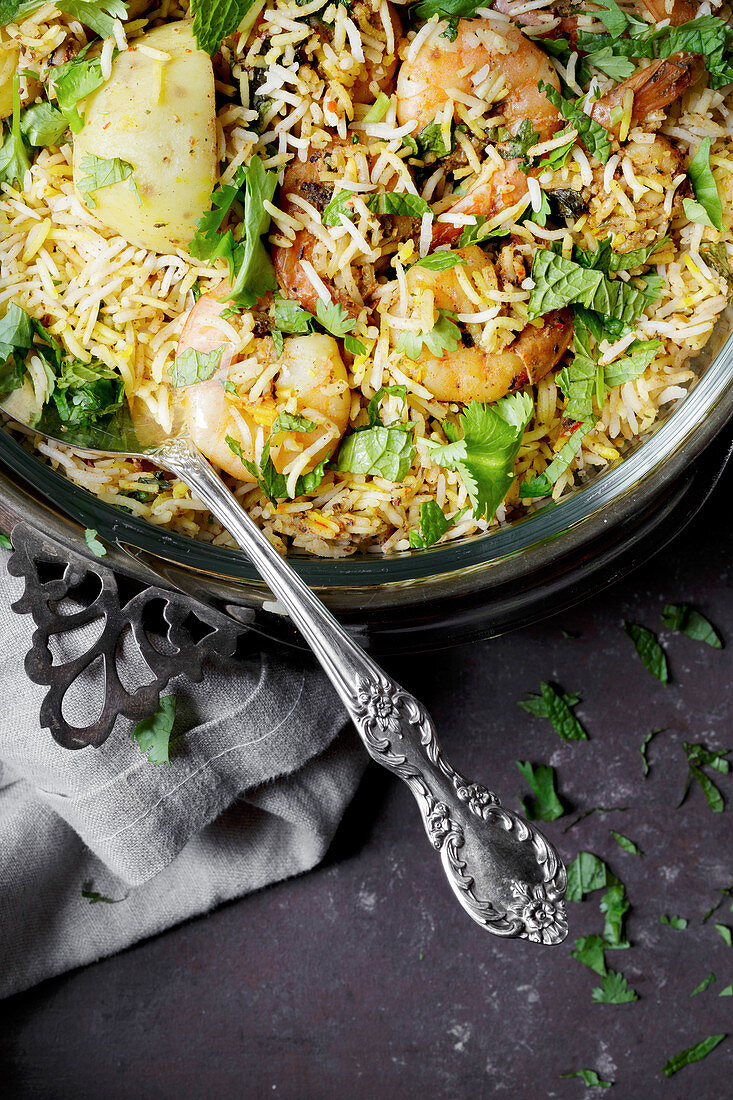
(158, 116)
(9, 55)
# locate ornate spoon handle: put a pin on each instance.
(504, 873)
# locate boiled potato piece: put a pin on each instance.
(158, 116)
(9, 56)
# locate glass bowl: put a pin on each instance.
(472, 587)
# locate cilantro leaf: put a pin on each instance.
(679, 923)
(705, 187)
(688, 621)
(693, 1054)
(215, 20)
(590, 1078)
(596, 139)
(14, 162)
(96, 547)
(193, 366)
(43, 124)
(608, 62)
(726, 934)
(103, 172)
(614, 904)
(586, 873)
(652, 655)
(153, 734)
(338, 323)
(545, 806)
(433, 525)
(381, 204)
(289, 316)
(443, 337)
(704, 984)
(614, 990)
(626, 844)
(485, 454)
(589, 950)
(73, 82)
(556, 707)
(270, 480)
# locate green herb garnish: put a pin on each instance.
(652, 655)
(546, 805)
(692, 1054)
(555, 706)
(153, 734)
(688, 621)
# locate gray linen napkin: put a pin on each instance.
(254, 794)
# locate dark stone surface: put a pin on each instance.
(365, 979)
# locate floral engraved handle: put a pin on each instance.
(503, 872)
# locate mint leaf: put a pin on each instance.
(704, 186)
(193, 366)
(590, 1078)
(153, 734)
(377, 452)
(103, 172)
(485, 454)
(626, 844)
(618, 68)
(560, 282)
(586, 873)
(692, 1054)
(704, 984)
(96, 547)
(680, 923)
(644, 748)
(433, 525)
(700, 756)
(215, 20)
(596, 139)
(545, 806)
(614, 990)
(440, 261)
(556, 707)
(687, 620)
(98, 15)
(652, 655)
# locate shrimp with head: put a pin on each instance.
(309, 380)
(475, 371)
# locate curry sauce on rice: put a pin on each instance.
(405, 275)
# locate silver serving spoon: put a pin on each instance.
(507, 877)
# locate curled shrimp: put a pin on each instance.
(311, 381)
(651, 89)
(677, 11)
(472, 372)
(380, 65)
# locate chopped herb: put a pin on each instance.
(215, 20)
(193, 366)
(644, 749)
(5, 542)
(433, 525)
(103, 172)
(618, 68)
(382, 204)
(586, 873)
(485, 454)
(98, 15)
(726, 934)
(14, 162)
(153, 734)
(590, 1078)
(727, 992)
(440, 261)
(692, 1054)
(699, 756)
(541, 484)
(652, 655)
(93, 897)
(337, 323)
(589, 950)
(614, 904)
(555, 706)
(435, 139)
(289, 316)
(614, 990)
(560, 282)
(43, 124)
(378, 451)
(680, 923)
(704, 984)
(688, 621)
(444, 336)
(725, 892)
(708, 207)
(545, 806)
(626, 844)
(92, 541)
(447, 9)
(595, 137)
(270, 480)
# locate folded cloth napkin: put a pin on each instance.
(253, 794)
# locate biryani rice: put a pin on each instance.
(111, 301)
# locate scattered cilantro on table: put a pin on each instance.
(546, 805)
(153, 734)
(651, 653)
(680, 923)
(614, 990)
(693, 1054)
(626, 844)
(726, 933)
(704, 984)
(555, 706)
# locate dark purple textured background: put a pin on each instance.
(365, 979)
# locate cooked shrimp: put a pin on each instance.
(649, 90)
(311, 381)
(677, 11)
(379, 66)
(426, 82)
(473, 372)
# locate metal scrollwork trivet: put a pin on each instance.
(65, 591)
